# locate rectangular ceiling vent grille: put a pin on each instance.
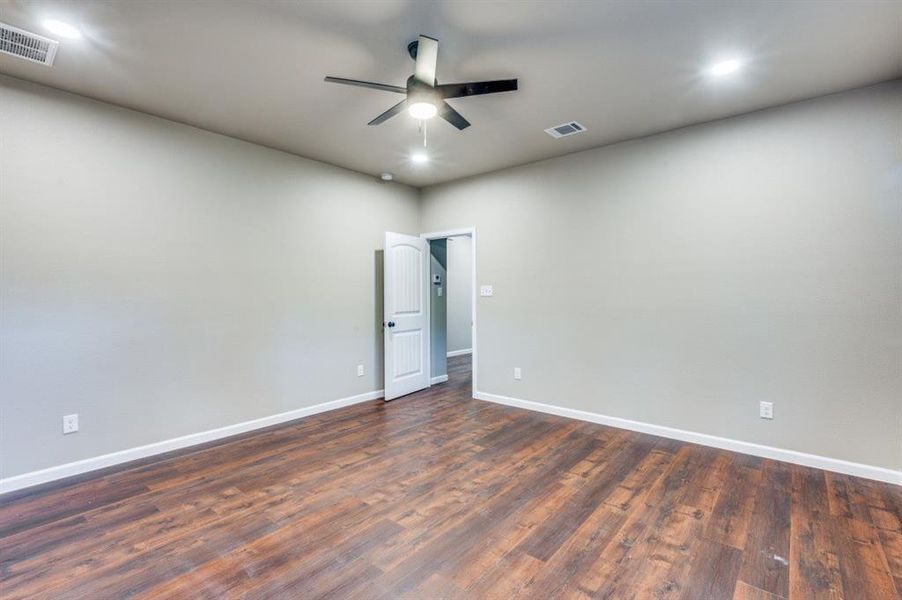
(27, 45)
(565, 129)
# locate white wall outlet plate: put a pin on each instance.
(360, 371)
(518, 374)
(70, 424)
(439, 291)
(766, 410)
(486, 290)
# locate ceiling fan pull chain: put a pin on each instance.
(421, 125)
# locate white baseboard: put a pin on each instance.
(460, 352)
(439, 379)
(25, 480)
(790, 456)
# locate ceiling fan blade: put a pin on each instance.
(397, 108)
(452, 116)
(427, 57)
(476, 88)
(368, 84)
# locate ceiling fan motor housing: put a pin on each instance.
(417, 91)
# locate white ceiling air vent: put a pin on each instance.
(27, 45)
(565, 129)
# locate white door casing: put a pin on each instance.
(406, 314)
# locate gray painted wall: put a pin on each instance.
(160, 280)
(460, 293)
(682, 278)
(438, 314)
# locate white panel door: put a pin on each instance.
(406, 314)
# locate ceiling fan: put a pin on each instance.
(425, 97)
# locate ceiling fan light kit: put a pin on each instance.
(424, 97)
(422, 110)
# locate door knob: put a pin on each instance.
(391, 323)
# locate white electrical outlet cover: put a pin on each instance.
(486, 290)
(70, 423)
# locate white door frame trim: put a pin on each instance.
(470, 231)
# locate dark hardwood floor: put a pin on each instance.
(439, 496)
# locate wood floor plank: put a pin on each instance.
(813, 563)
(844, 500)
(549, 535)
(733, 512)
(714, 572)
(436, 495)
(863, 565)
(561, 574)
(892, 548)
(765, 563)
(508, 578)
(745, 591)
(494, 547)
(623, 567)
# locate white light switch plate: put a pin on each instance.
(518, 374)
(766, 410)
(359, 370)
(486, 290)
(440, 292)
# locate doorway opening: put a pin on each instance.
(452, 278)
(429, 311)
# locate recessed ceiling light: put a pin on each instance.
(419, 158)
(725, 67)
(422, 110)
(62, 29)
(386, 176)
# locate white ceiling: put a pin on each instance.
(254, 70)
